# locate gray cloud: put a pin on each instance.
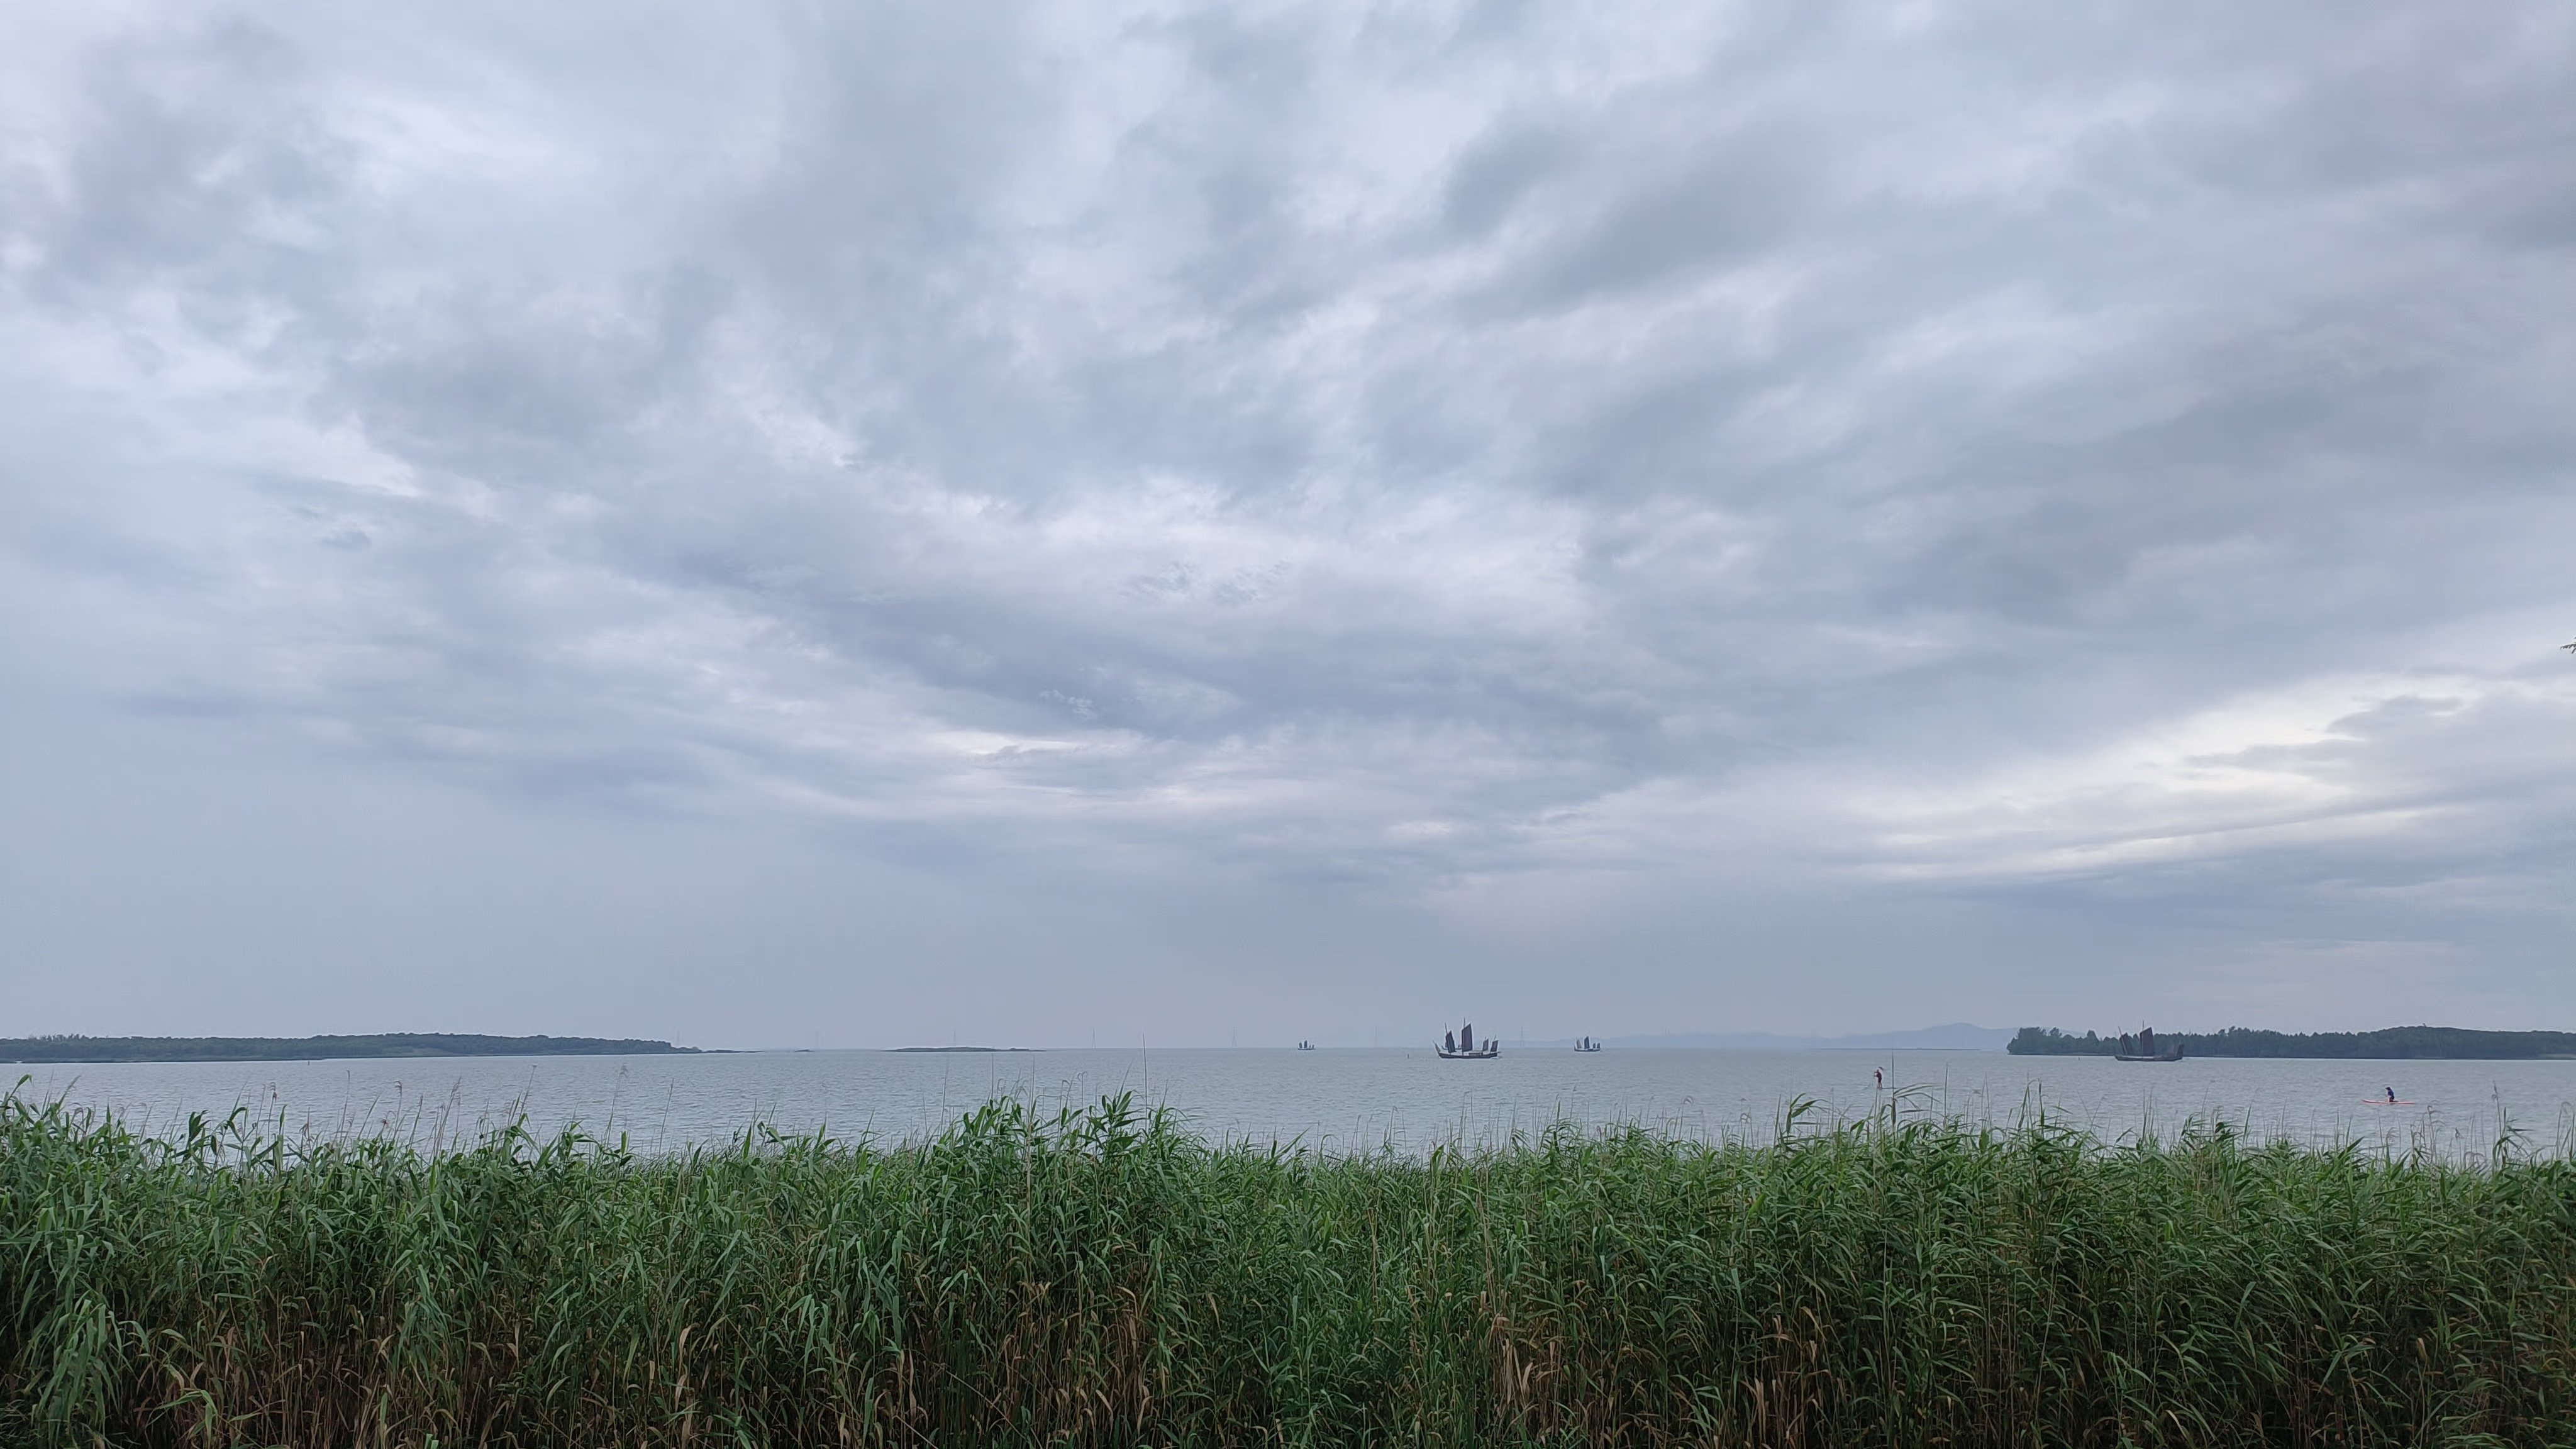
(2095, 481)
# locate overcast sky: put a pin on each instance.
(859, 524)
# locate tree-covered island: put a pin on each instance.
(46, 1049)
(2390, 1044)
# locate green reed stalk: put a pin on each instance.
(1102, 1277)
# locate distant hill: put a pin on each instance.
(2396, 1043)
(1956, 1037)
(317, 1048)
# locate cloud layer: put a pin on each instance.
(2100, 479)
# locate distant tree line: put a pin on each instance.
(2392, 1043)
(316, 1048)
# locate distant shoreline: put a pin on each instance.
(67, 1050)
(961, 1049)
(2396, 1043)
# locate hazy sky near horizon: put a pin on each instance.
(848, 525)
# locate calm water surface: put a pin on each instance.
(1344, 1100)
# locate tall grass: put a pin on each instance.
(1103, 1278)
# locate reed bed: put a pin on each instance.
(1102, 1277)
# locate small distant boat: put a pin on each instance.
(1586, 1044)
(1461, 1046)
(1305, 1046)
(2142, 1047)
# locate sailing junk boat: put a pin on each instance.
(1305, 1046)
(1461, 1045)
(1586, 1044)
(2142, 1047)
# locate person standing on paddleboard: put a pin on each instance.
(2392, 1095)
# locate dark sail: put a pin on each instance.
(1449, 1041)
(1467, 1037)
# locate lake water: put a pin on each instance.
(1343, 1100)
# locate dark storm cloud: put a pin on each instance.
(2003, 452)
